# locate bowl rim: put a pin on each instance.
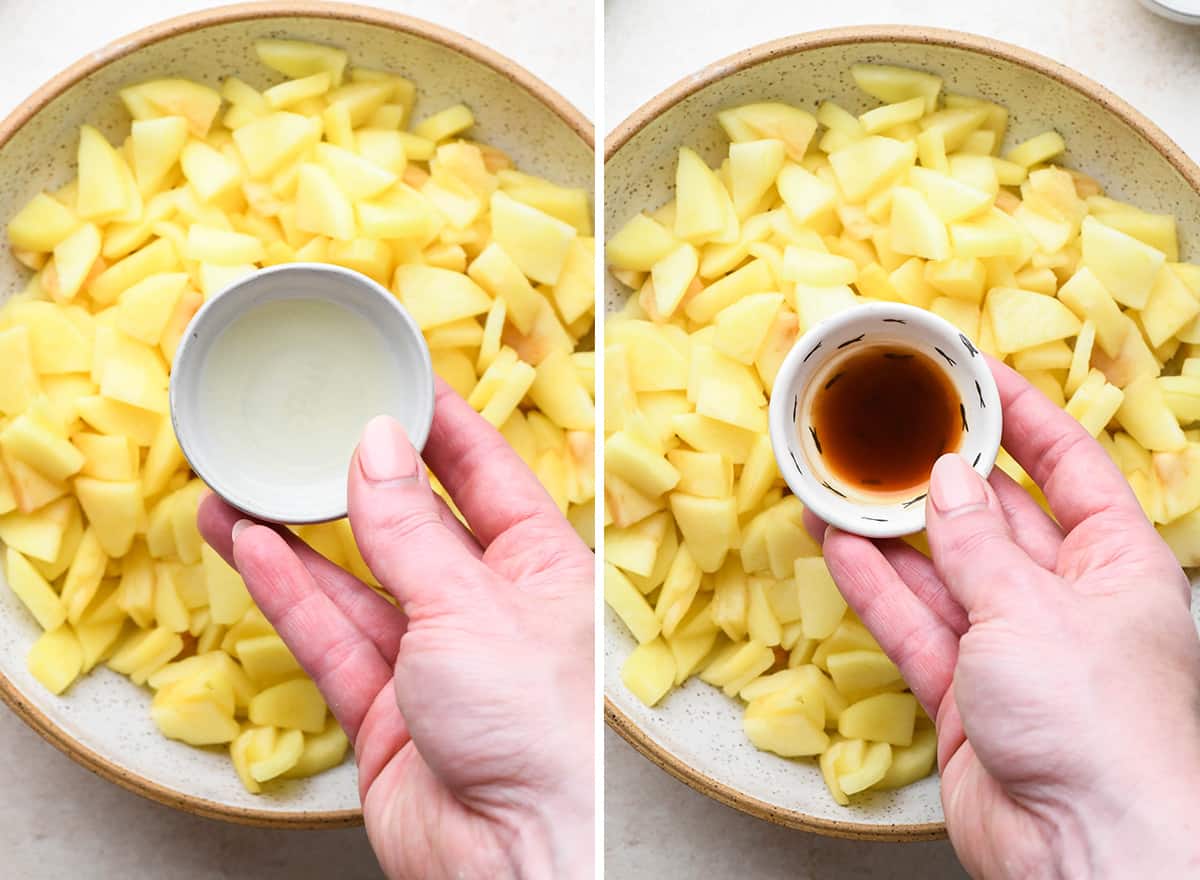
(621, 723)
(74, 749)
(249, 292)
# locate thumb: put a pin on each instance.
(398, 525)
(969, 537)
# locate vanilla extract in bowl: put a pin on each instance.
(882, 417)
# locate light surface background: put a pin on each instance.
(57, 819)
(655, 826)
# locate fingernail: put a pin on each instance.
(955, 488)
(240, 526)
(384, 454)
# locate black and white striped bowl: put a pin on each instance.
(814, 356)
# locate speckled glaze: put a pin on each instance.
(696, 732)
(103, 722)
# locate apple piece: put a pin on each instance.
(41, 224)
(104, 179)
(821, 604)
(295, 704)
(145, 308)
(805, 195)
(753, 167)
(1125, 266)
(866, 166)
(1037, 149)
(704, 208)
(537, 242)
(1088, 299)
(649, 671)
(158, 256)
(742, 328)
(1168, 308)
(21, 383)
(915, 227)
(770, 120)
(892, 84)
(30, 441)
(56, 659)
(1145, 415)
(34, 592)
(1021, 319)
(639, 244)
(438, 296)
(888, 718)
(671, 277)
(781, 723)
(709, 527)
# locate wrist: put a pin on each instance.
(556, 840)
(1147, 826)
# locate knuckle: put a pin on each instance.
(974, 540)
(401, 523)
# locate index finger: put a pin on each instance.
(488, 481)
(1079, 479)
(346, 667)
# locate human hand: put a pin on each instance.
(1058, 658)
(470, 712)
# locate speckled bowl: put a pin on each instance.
(696, 732)
(103, 722)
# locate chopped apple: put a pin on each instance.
(1125, 266)
(1145, 415)
(145, 308)
(21, 383)
(296, 58)
(773, 120)
(1168, 308)
(821, 605)
(41, 224)
(33, 590)
(56, 659)
(1037, 149)
(894, 84)
(753, 167)
(888, 718)
(709, 527)
(639, 244)
(321, 206)
(864, 167)
(210, 172)
(104, 178)
(704, 209)
(1021, 319)
(915, 226)
(806, 195)
(31, 441)
(537, 242)
(782, 723)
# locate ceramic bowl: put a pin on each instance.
(103, 722)
(814, 363)
(217, 451)
(696, 732)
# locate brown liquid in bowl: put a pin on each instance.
(884, 417)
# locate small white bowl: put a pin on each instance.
(1182, 11)
(226, 419)
(812, 360)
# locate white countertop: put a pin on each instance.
(655, 826)
(57, 819)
